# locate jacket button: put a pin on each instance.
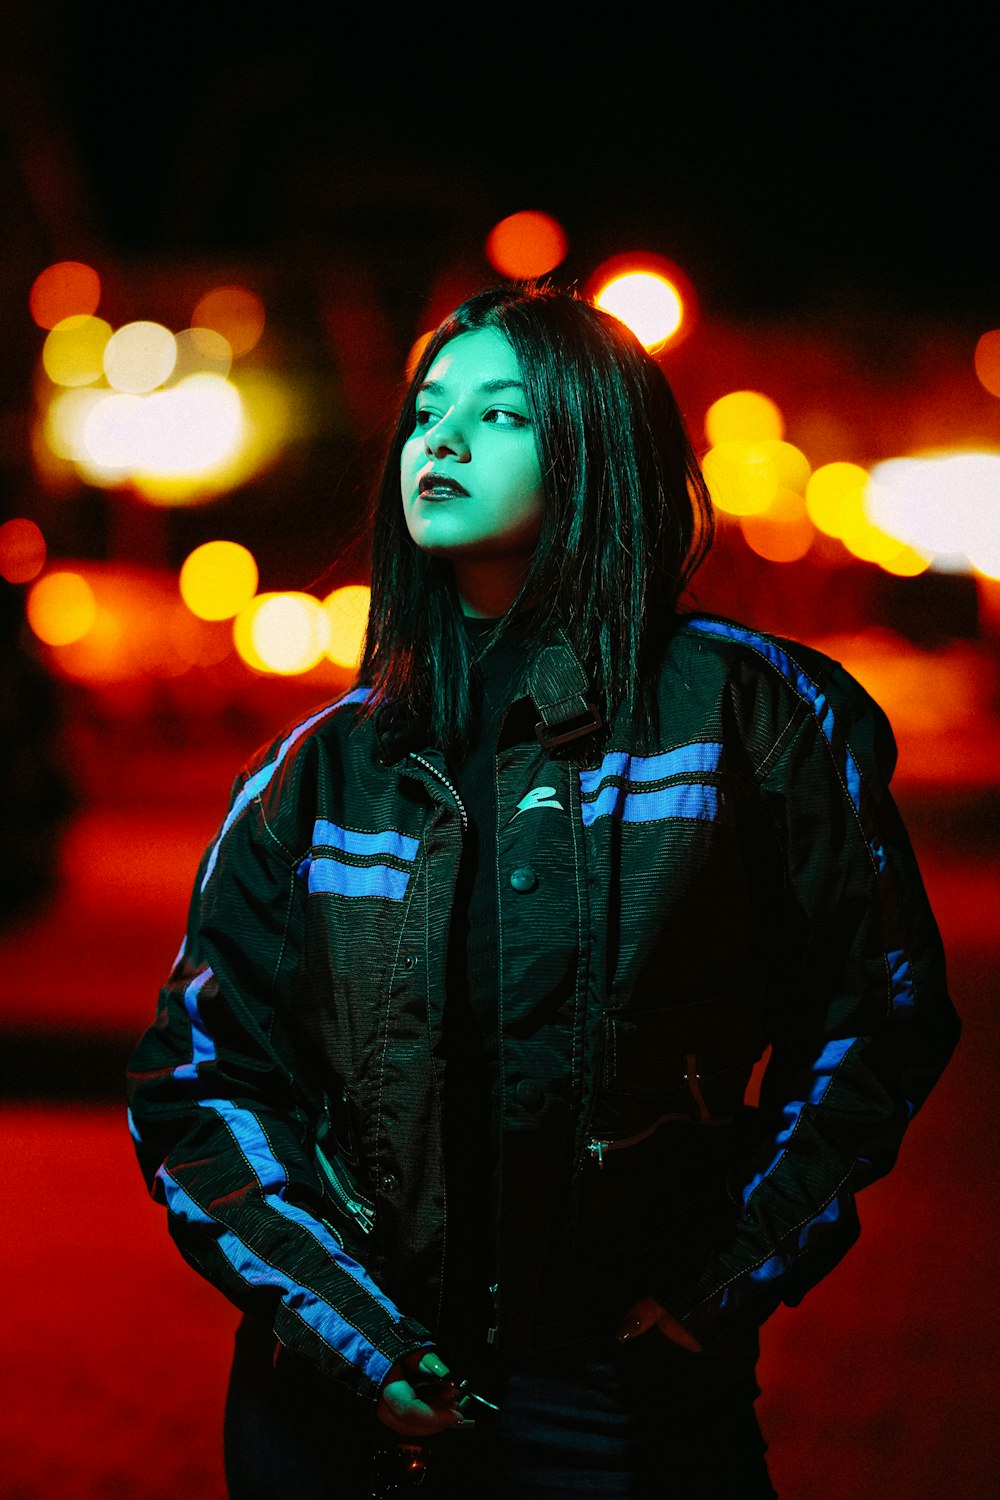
(410, 961)
(388, 1182)
(524, 879)
(530, 1095)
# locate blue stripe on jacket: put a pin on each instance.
(202, 1045)
(256, 783)
(684, 800)
(316, 1313)
(633, 803)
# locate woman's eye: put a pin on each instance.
(424, 418)
(501, 418)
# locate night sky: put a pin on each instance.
(794, 161)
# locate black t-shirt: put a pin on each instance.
(471, 1040)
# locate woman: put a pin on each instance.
(446, 1090)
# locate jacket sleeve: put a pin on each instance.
(223, 1129)
(866, 1024)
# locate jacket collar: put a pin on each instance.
(557, 684)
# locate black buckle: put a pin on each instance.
(558, 734)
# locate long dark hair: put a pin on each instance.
(626, 517)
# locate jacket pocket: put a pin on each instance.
(675, 1064)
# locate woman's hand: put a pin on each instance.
(647, 1313)
(403, 1410)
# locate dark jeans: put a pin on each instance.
(612, 1422)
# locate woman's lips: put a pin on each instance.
(439, 487)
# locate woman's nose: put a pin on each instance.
(445, 438)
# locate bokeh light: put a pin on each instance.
(218, 579)
(987, 361)
(743, 417)
(348, 609)
(945, 506)
(61, 608)
(526, 244)
(201, 351)
(168, 441)
(416, 351)
(835, 499)
(285, 633)
(233, 311)
(138, 357)
(783, 533)
(66, 290)
(73, 353)
(646, 302)
(745, 478)
(22, 550)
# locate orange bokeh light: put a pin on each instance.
(783, 533)
(526, 244)
(233, 311)
(61, 608)
(987, 359)
(68, 289)
(22, 550)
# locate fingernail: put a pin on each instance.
(627, 1330)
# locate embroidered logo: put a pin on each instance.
(539, 796)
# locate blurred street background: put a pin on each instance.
(224, 236)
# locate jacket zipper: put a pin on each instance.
(596, 1147)
(362, 1213)
(442, 778)
(491, 1332)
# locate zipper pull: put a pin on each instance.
(596, 1150)
(491, 1332)
(693, 1080)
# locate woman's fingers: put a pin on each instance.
(415, 1400)
(675, 1330)
(648, 1313)
(642, 1315)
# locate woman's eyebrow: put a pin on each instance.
(488, 387)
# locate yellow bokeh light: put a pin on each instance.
(285, 633)
(235, 312)
(138, 357)
(742, 478)
(783, 533)
(873, 545)
(61, 608)
(73, 353)
(645, 302)
(348, 609)
(218, 579)
(68, 289)
(905, 562)
(835, 499)
(743, 417)
(22, 550)
(526, 244)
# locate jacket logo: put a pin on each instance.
(539, 796)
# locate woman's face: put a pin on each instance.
(470, 477)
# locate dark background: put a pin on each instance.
(827, 179)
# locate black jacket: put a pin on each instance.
(668, 915)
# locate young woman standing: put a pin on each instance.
(446, 1089)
